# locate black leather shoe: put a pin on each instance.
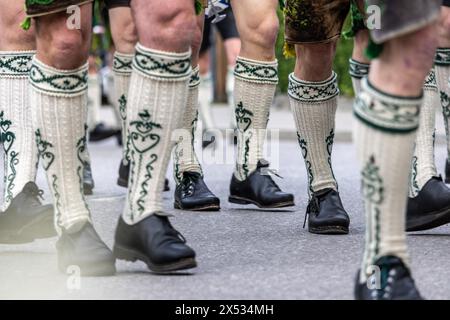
(26, 219)
(193, 194)
(447, 171)
(124, 172)
(259, 189)
(395, 283)
(88, 181)
(101, 132)
(326, 214)
(85, 250)
(430, 208)
(155, 242)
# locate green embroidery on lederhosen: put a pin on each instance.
(142, 139)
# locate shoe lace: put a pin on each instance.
(37, 195)
(389, 271)
(263, 169)
(188, 183)
(313, 207)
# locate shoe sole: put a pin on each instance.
(40, 228)
(331, 230)
(132, 255)
(245, 201)
(208, 207)
(427, 222)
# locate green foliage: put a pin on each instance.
(344, 51)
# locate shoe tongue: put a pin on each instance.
(192, 175)
(30, 187)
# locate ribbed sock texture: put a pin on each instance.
(442, 67)
(122, 67)
(185, 159)
(205, 100)
(16, 128)
(59, 113)
(357, 71)
(314, 105)
(255, 85)
(157, 99)
(384, 137)
(423, 163)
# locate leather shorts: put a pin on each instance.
(35, 8)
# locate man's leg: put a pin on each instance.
(313, 94)
(58, 79)
(256, 78)
(24, 218)
(191, 192)
(156, 102)
(442, 66)
(429, 198)
(387, 111)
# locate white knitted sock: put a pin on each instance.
(94, 100)
(122, 76)
(255, 85)
(423, 164)
(384, 136)
(157, 99)
(357, 71)
(314, 107)
(230, 95)
(205, 100)
(16, 128)
(185, 159)
(59, 120)
(442, 67)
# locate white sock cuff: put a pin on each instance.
(387, 112)
(358, 69)
(60, 83)
(442, 57)
(194, 81)
(430, 81)
(313, 92)
(122, 63)
(161, 65)
(256, 71)
(15, 64)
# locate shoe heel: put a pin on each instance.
(237, 200)
(122, 183)
(123, 254)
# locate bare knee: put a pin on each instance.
(261, 35)
(444, 27)
(67, 49)
(174, 26)
(126, 40)
(13, 37)
(315, 61)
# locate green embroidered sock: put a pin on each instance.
(423, 163)
(357, 71)
(313, 105)
(122, 75)
(255, 85)
(15, 123)
(156, 102)
(384, 136)
(59, 102)
(185, 159)
(442, 66)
